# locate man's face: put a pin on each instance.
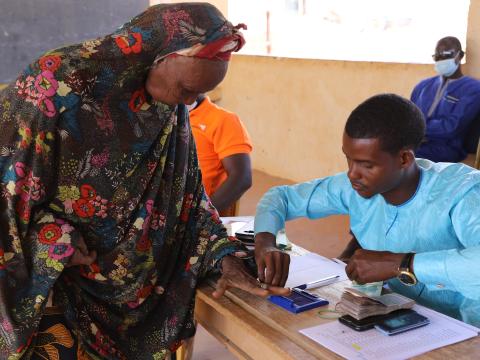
(180, 79)
(371, 170)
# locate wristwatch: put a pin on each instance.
(405, 274)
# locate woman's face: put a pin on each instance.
(180, 79)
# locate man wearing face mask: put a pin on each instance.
(449, 102)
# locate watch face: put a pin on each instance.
(407, 278)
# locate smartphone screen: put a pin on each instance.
(406, 321)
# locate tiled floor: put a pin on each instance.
(326, 236)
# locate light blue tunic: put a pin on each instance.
(440, 223)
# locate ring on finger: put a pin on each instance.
(263, 286)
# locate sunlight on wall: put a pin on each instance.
(361, 30)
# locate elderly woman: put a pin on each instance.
(101, 198)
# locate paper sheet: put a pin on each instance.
(333, 292)
(230, 219)
(372, 344)
(311, 267)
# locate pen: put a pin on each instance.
(317, 283)
(303, 292)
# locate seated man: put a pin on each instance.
(223, 148)
(417, 221)
(449, 102)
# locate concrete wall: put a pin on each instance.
(28, 28)
(295, 109)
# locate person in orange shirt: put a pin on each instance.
(223, 147)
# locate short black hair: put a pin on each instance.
(397, 122)
(451, 41)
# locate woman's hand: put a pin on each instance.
(235, 275)
(272, 263)
(82, 256)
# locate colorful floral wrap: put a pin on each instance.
(85, 150)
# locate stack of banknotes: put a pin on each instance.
(360, 305)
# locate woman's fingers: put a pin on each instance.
(80, 259)
(235, 275)
(82, 256)
(82, 246)
(220, 288)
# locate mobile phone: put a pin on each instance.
(363, 324)
(403, 322)
(246, 233)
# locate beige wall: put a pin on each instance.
(473, 40)
(295, 109)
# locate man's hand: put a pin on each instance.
(369, 266)
(272, 263)
(234, 274)
(82, 256)
(349, 250)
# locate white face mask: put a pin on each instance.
(446, 67)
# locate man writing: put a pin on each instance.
(416, 221)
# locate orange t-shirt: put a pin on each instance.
(218, 133)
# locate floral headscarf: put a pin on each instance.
(85, 150)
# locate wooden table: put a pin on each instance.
(254, 328)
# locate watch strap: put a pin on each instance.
(405, 263)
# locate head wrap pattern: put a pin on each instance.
(84, 151)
